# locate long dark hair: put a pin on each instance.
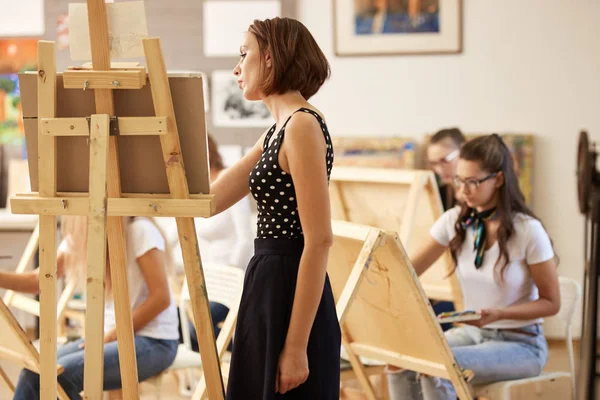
(493, 155)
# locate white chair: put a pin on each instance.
(223, 284)
(553, 385)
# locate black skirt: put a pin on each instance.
(262, 326)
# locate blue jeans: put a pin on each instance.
(218, 313)
(492, 354)
(153, 356)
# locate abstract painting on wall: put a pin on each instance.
(15, 55)
(383, 27)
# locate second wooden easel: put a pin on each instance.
(105, 205)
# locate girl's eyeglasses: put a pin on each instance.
(472, 184)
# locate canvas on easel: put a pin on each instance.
(403, 201)
(112, 144)
(382, 308)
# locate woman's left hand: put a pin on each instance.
(110, 336)
(488, 316)
(292, 370)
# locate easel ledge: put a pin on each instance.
(200, 205)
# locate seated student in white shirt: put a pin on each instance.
(507, 270)
(225, 239)
(154, 312)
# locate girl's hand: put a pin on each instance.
(488, 316)
(292, 370)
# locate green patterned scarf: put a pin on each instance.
(477, 221)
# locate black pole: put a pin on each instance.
(587, 381)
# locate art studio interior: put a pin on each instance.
(299, 199)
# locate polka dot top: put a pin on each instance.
(273, 189)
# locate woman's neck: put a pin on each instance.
(281, 106)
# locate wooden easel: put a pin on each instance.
(105, 204)
(17, 348)
(403, 201)
(383, 310)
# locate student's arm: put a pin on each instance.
(29, 282)
(152, 265)
(232, 184)
(434, 245)
(430, 251)
(305, 152)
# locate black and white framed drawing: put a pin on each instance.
(230, 108)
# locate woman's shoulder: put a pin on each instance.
(452, 214)
(528, 225)
(143, 225)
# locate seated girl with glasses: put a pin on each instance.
(507, 271)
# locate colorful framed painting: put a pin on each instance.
(395, 27)
(374, 152)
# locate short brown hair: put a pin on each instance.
(298, 62)
(453, 134)
(215, 161)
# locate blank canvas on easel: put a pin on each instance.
(140, 157)
(402, 201)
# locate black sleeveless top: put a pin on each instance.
(273, 188)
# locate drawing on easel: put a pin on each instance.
(126, 30)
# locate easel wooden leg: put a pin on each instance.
(120, 292)
(96, 258)
(99, 44)
(373, 241)
(47, 187)
(7, 380)
(211, 366)
(359, 369)
(171, 148)
(222, 343)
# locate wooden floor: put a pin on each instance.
(558, 361)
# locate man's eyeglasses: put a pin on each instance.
(449, 157)
(472, 184)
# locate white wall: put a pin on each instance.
(527, 66)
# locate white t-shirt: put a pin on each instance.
(143, 236)
(529, 245)
(224, 239)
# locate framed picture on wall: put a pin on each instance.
(229, 106)
(397, 27)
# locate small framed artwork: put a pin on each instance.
(229, 106)
(397, 27)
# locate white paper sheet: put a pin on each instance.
(126, 29)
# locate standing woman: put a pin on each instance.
(287, 340)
